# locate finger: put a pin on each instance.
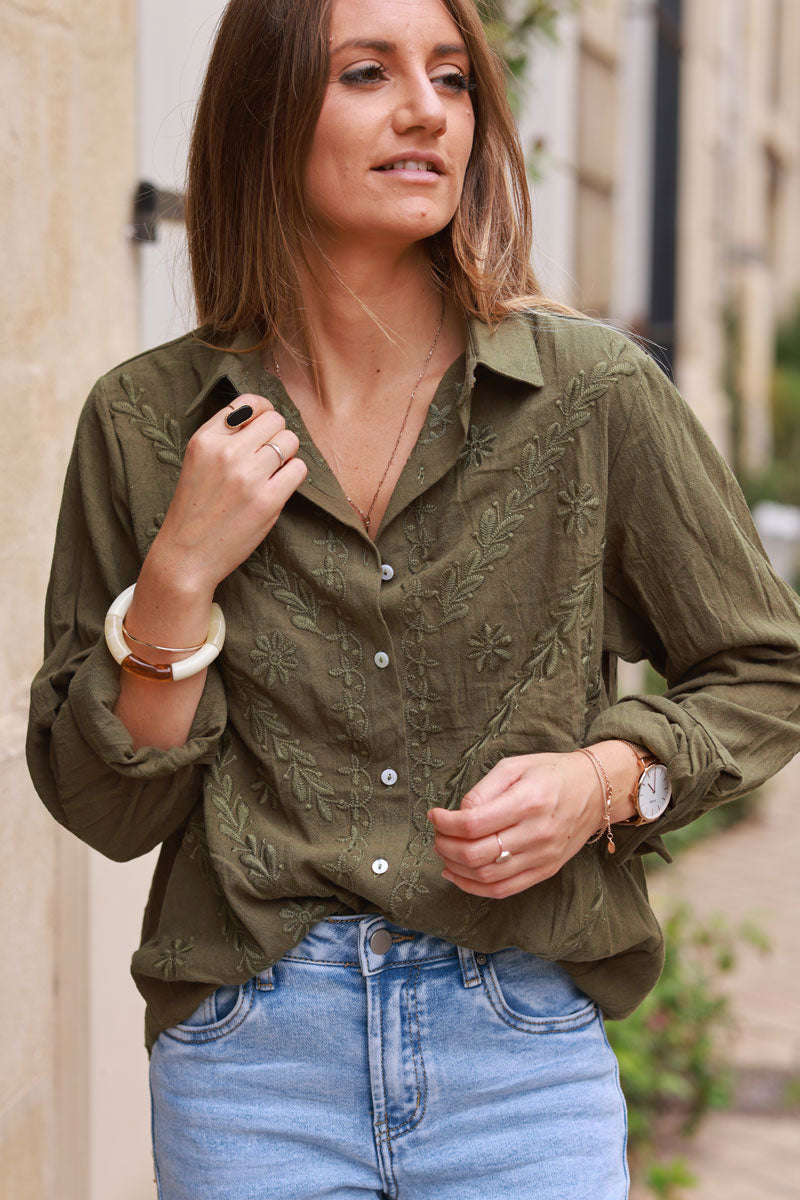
(278, 450)
(470, 854)
(500, 890)
(492, 817)
(239, 413)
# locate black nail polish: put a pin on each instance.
(239, 415)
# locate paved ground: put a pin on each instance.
(752, 1152)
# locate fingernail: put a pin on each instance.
(239, 415)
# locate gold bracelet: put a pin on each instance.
(605, 784)
(165, 649)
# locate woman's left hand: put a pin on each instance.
(545, 807)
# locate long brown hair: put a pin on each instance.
(246, 211)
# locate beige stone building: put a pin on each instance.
(102, 97)
(670, 161)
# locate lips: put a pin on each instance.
(413, 161)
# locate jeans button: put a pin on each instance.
(380, 941)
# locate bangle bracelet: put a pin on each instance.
(162, 672)
(605, 785)
(152, 646)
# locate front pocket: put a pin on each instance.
(216, 1016)
(534, 995)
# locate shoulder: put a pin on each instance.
(567, 345)
(167, 378)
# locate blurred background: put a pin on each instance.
(663, 143)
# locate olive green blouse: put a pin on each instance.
(562, 508)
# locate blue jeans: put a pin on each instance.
(373, 1061)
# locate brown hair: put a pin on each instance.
(246, 211)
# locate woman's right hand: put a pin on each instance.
(230, 493)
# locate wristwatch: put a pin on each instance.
(652, 791)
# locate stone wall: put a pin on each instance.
(68, 304)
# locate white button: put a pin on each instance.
(380, 866)
(381, 659)
(389, 777)
(387, 572)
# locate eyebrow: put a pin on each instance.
(441, 50)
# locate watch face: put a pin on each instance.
(654, 792)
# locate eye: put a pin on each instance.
(369, 73)
(455, 81)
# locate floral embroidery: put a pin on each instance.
(437, 424)
(274, 657)
(306, 613)
(578, 508)
(479, 445)
(458, 584)
(166, 436)
(173, 957)
(541, 664)
(299, 917)
(489, 647)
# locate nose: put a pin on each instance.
(420, 107)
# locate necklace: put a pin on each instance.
(366, 516)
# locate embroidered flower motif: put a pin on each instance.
(479, 445)
(174, 957)
(489, 647)
(274, 657)
(578, 508)
(438, 421)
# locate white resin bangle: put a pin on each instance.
(166, 672)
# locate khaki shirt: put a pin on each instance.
(562, 508)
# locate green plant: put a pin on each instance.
(663, 1178)
(780, 479)
(510, 25)
(670, 1050)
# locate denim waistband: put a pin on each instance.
(372, 944)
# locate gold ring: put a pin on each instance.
(504, 855)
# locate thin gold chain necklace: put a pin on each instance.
(366, 516)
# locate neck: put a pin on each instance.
(372, 317)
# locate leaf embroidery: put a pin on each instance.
(167, 437)
(260, 862)
(251, 957)
(542, 664)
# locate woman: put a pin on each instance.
(434, 511)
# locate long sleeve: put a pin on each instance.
(118, 800)
(687, 585)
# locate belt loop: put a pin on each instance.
(265, 981)
(469, 968)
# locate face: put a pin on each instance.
(391, 146)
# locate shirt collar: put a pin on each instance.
(508, 350)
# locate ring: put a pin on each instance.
(277, 450)
(237, 416)
(504, 855)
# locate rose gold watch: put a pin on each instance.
(652, 791)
